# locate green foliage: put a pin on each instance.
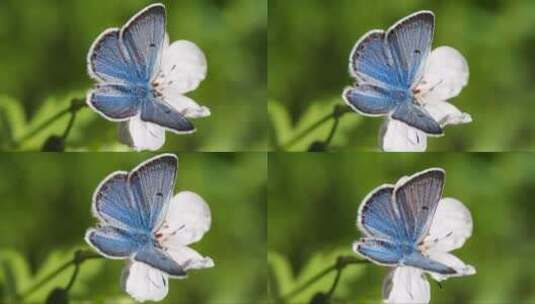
(283, 130)
(16, 276)
(309, 43)
(43, 59)
(284, 280)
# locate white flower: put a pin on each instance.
(187, 219)
(451, 226)
(183, 66)
(446, 73)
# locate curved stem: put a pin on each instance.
(339, 265)
(338, 111)
(80, 256)
(75, 106)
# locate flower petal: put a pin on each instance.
(187, 107)
(397, 136)
(451, 226)
(141, 135)
(183, 68)
(188, 258)
(144, 283)
(406, 285)
(445, 75)
(446, 114)
(452, 261)
(188, 218)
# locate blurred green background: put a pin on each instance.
(43, 50)
(45, 212)
(308, 48)
(313, 203)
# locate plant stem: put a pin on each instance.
(80, 256)
(339, 265)
(338, 111)
(75, 106)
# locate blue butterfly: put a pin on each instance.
(395, 219)
(131, 208)
(125, 63)
(388, 66)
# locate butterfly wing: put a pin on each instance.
(107, 60)
(416, 117)
(409, 42)
(370, 62)
(416, 259)
(143, 40)
(151, 185)
(377, 217)
(416, 199)
(161, 113)
(113, 242)
(159, 259)
(379, 251)
(116, 102)
(371, 100)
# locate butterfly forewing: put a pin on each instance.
(377, 217)
(143, 39)
(152, 184)
(370, 62)
(107, 61)
(113, 204)
(416, 200)
(409, 42)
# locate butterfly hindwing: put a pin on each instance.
(380, 251)
(416, 117)
(152, 184)
(372, 100)
(115, 101)
(143, 39)
(416, 200)
(114, 242)
(409, 42)
(159, 259)
(161, 113)
(416, 259)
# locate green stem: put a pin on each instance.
(338, 111)
(339, 265)
(80, 256)
(331, 133)
(75, 106)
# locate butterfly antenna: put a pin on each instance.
(436, 85)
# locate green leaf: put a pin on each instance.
(284, 131)
(285, 281)
(12, 121)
